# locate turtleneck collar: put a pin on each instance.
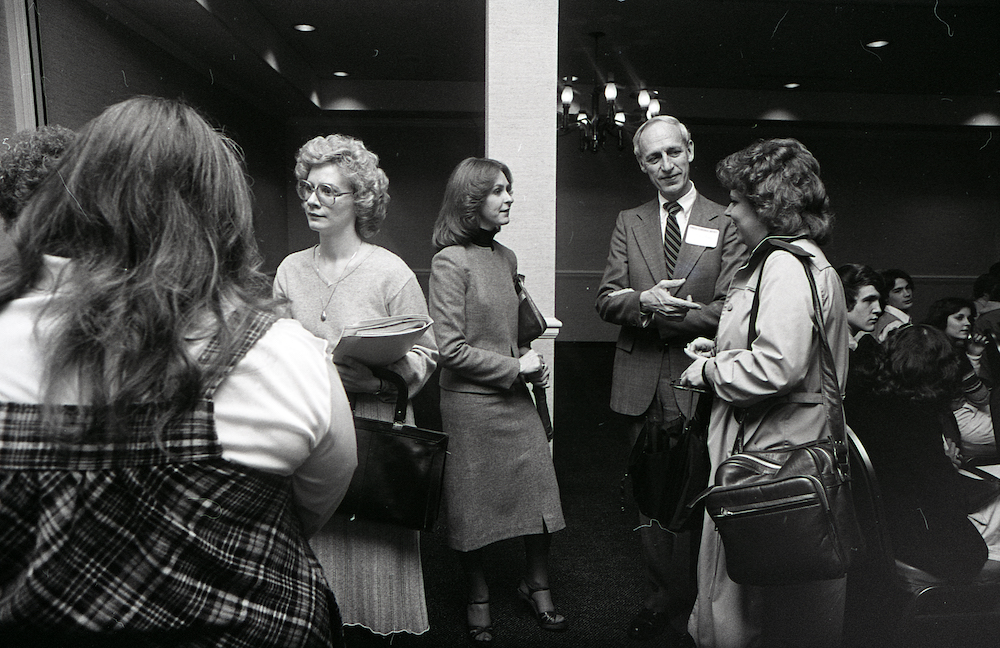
(483, 237)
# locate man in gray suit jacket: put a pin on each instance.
(669, 267)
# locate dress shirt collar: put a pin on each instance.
(686, 202)
(898, 314)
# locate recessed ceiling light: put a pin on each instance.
(304, 28)
(875, 44)
(792, 86)
(341, 74)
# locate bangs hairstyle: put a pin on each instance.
(369, 183)
(919, 363)
(780, 179)
(153, 207)
(889, 278)
(469, 184)
(942, 309)
(854, 277)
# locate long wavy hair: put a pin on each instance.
(469, 184)
(360, 166)
(153, 207)
(780, 179)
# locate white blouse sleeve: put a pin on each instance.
(283, 410)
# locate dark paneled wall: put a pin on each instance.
(923, 199)
(91, 61)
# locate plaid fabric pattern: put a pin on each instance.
(151, 544)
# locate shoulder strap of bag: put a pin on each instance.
(831, 387)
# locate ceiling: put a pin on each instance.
(941, 48)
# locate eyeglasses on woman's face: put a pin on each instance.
(326, 194)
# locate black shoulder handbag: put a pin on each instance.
(400, 468)
(530, 321)
(786, 515)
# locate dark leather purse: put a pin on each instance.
(786, 514)
(400, 468)
(530, 321)
(669, 466)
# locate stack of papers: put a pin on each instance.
(382, 341)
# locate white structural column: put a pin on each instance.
(522, 38)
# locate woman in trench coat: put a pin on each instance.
(777, 200)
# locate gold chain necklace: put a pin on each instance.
(343, 273)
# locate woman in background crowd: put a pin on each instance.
(374, 568)
(954, 316)
(781, 210)
(166, 443)
(499, 479)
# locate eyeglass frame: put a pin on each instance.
(311, 189)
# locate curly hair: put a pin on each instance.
(360, 166)
(25, 160)
(161, 246)
(780, 179)
(467, 188)
(918, 363)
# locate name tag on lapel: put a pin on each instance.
(701, 236)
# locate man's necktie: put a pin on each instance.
(672, 237)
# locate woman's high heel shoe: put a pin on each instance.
(547, 620)
(479, 635)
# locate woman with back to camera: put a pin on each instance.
(780, 206)
(978, 357)
(166, 443)
(499, 480)
(374, 568)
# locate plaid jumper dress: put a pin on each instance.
(126, 542)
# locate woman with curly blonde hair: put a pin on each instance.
(373, 568)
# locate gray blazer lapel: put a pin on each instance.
(650, 239)
(701, 216)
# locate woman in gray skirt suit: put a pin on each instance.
(499, 480)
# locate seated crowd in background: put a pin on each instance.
(919, 398)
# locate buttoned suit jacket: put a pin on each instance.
(636, 263)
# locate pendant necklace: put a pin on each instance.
(343, 273)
